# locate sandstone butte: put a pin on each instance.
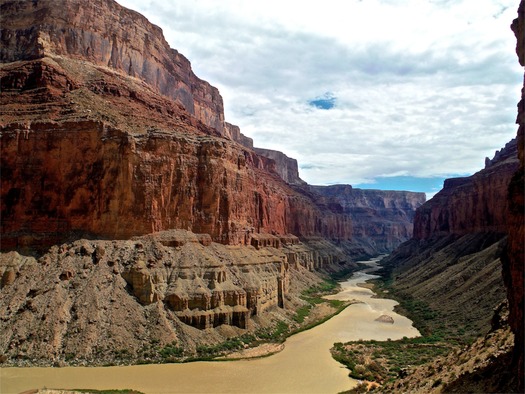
(130, 205)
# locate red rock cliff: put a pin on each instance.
(89, 149)
(285, 166)
(471, 204)
(106, 34)
(514, 261)
(381, 219)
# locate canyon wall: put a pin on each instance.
(88, 178)
(471, 204)
(286, 167)
(91, 151)
(106, 34)
(381, 219)
(513, 261)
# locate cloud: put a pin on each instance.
(416, 89)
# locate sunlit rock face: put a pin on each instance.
(106, 34)
(107, 132)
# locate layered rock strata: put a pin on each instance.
(471, 204)
(382, 219)
(92, 298)
(106, 34)
(83, 151)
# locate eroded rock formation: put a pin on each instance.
(92, 298)
(382, 219)
(471, 204)
(106, 34)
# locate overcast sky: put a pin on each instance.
(388, 94)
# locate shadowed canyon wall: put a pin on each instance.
(514, 259)
(382, 219)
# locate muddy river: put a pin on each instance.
(304, 366)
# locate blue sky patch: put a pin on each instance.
(326, 101)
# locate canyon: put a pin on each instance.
(124, 190)
(465, 263)
(136, 220)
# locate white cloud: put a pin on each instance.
(422, 88)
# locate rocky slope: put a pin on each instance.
(92, 300)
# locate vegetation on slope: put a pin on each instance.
(449, 289)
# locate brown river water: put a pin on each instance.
(304, 366)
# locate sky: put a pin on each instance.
(380, 94)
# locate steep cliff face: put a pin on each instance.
(381, 219)
(106, 34)
(285, 166)
(88, 150)
(472, 204)
(234, 133)
(513, 262)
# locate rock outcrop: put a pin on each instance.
(381, 219)
(90, 299)
(471, 204)
(513, 261)
(106, 34)
(234, 133)
(285, 166)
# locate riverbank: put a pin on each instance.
(304, 365)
